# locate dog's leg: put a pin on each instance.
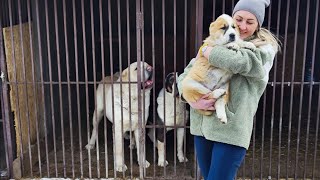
(133, 143)
(146, 164)
(97, 115)
(118, 141)
(161, 160)
(180, 135)
(217, 93)
(220, 107)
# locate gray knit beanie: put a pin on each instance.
(256, 7)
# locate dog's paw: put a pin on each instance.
(223, 120)
(146, 164)
(233, 46)
(132, 146)
(249, 45)
(89, 146)
(218, 93)
(121, 168)
(163, 163)
(182, 159)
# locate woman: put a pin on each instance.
(220, 148)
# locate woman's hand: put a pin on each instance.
(204, 103)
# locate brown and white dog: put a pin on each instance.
(121, 100)
(168, 99)
(203, 78)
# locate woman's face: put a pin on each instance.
(247, 23)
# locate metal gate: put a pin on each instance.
(53, 54)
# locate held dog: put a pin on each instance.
(168, 117)
(203, 78)
(121, 103)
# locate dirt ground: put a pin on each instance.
(257, 162)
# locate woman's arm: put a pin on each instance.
(183, 75)
(243, 61)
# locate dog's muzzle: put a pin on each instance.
(148, 82)
(232, 37)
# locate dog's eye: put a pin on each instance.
(136, 68)
(224, 27)
(233, 26)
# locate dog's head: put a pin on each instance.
(146, 72)
(171, 85)
(222, 31)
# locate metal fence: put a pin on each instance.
(53, 55)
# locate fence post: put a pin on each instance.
(7, 115)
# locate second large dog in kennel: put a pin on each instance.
(122, 99)
(171, 111)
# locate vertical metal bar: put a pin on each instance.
(175, 70)
(184, 65)
(264, 109)
(213, 10)
(292, 86)
(94, 81)
(314, 171)
(42, 85)
(244, 169)
(25, 87)
(68, 84)
(199, 23)
(51, 89)
(15, 82)
(4, 128)
(301, 90)
(6, 107)
(86, 80)
(111, 72)
(138, 22)
(224, 6)
(262, 132)
(121, 83)
(282, 87)
(34, 86)
(253, 146)
(60, 87)
(154, 110)
(77, 82)
(129, 85)
(143, 147)
(163, 77)
(311, 88)
(274, 94)
(103, 83)
(232, 5)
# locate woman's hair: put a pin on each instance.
(264, 36)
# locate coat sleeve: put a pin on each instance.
(183, 75)
(243, 61)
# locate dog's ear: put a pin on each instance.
(236, 26)
(125, 74)
(169, 82)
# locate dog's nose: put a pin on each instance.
(149, 68)
(232, 37)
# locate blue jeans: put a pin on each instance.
(218, 161)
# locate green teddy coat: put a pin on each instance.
(251, 75)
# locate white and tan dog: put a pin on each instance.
(168, 99)
(203, 78)
(121, 104)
